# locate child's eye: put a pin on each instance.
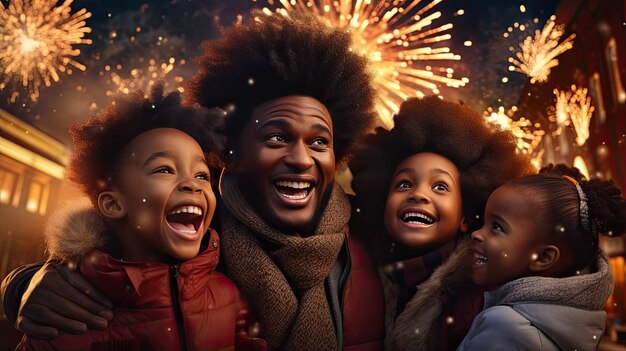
(496, 227)
(441, 187)
(403, 184)
(164, 170)
(203, 176)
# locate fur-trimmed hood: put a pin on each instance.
(73, 230)
(417, 327)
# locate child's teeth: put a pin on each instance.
(187, 209)
(418, 215)
(480, 259)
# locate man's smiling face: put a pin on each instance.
(286, 162)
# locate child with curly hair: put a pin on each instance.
(420, 188)
(142, 239)
(539, 246)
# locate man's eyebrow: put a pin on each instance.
(323, 128)
(275, 122)
(160, 154)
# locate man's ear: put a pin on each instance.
(544, 257)
(110, 205)
(464, 227)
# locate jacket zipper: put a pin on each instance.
(336, 306)
(333, 305)
(346, 271)
(178, 313)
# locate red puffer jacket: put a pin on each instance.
(157, 306)
(364, 308)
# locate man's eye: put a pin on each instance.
(320, 141)
(278, 138)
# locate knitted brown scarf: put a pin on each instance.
(285, 285)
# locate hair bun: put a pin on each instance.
(607, 207)
(563, 170)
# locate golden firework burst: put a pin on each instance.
(528, 134)
(36, 43)
(574, 105)
(401, 40)
(142, 78)
(537, 54)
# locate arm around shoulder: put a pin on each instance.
(14, 286)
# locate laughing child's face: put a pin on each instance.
(509, 241)
(424, 207)
(164, 196)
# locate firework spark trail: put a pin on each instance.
(528, 135)
(144, 78)
(36, 43)
(396, 38)
(575, 105)
(537, 55)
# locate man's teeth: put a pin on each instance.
(410, 217)
(186, 209)
(480, 259)
(294, 185)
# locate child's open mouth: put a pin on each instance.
(185, 220)
(293, 190)
(417, 218)
(480, 260)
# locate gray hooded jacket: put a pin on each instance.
(538, 313)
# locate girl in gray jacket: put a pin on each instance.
(539, 249)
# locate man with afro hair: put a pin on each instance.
(406, 214)
(297, 99)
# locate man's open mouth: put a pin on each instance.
(185, 219)
(294, 190)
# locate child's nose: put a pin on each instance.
(190, 185)
(476, 235)
(418, 195)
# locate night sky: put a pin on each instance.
(127, 34)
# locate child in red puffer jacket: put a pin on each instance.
(142, 239)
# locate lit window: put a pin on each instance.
(37, 198)
(618, 92)
(8, 181)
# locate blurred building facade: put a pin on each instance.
(32, 173)
(597, 62)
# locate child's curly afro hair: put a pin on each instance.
(99, 142)
(275, 56)
(485, 157)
